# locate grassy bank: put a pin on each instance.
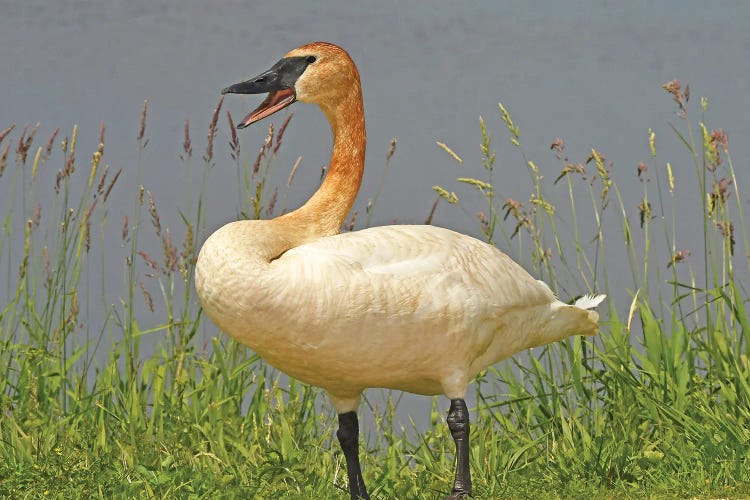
(657, 405)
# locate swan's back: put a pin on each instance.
(420, 262)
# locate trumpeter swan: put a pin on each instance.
(415, 308)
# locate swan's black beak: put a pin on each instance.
(269, 81)
(278, 82)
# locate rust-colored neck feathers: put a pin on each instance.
(325, 212)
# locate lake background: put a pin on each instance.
(586, 71)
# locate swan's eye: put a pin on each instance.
(311, 59)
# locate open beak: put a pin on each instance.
(275, 101)
(278, 82)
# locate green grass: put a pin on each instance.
(658, 405)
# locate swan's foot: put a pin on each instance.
(458, 423)
(348, 435)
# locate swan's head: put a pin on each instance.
(318, 73)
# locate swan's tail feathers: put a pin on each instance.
(589, 301)
(566, 320)
(582, 321)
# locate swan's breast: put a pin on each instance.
(229, 270)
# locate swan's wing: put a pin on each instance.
(409, 263)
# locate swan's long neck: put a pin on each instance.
(325, 212)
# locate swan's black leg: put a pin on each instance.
(348, 435)
(458, 423)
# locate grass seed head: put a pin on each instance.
(269, 136)
(102, 180)
(4, 159)
(391, 150)
(483, 221)
(142, 129)
(50, 143)
(37, 215)
(234, 144)
(293, 171)
(188, 251)
(644, 212)
(154, 214)
(726, 228)
(448, 196)
(24, 144)
(430, 215)
(171, 256)
(674, 88)
(280, 134)
(570, 168)
(272, 201)
(642, 169)
(5, 132)
(147, 297)
(212, 132)
(259, 158)
(721, 192)
(352, 221)
(678, 256)
(112, 184)
(125, 228)
(187, 145)
(448, 150)
(148, 260)
(720, 137)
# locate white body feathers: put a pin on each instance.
(416, 308)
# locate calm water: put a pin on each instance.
(589, 72)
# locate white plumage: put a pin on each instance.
(420, 308)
